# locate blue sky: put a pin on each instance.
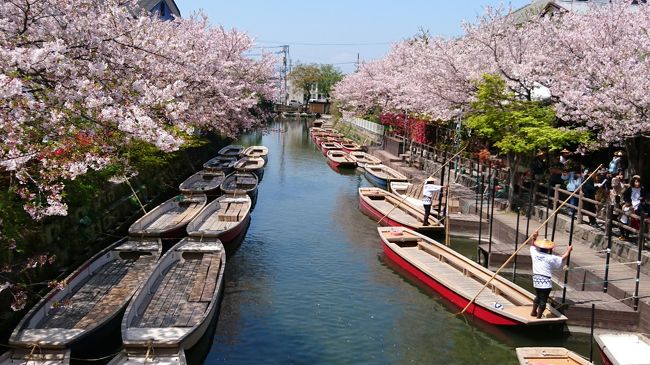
(368, 24)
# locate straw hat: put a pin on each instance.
(565, 151)
(540, 153)
(545, 244)
(618, 153)
(430, 180)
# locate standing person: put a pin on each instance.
(544, 262)
(430, 191)
(564, 157)
(615, 163)
(574, 180)
(634, 195)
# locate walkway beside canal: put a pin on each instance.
(614, 309)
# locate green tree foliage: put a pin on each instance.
(516, 127)
(325, 76)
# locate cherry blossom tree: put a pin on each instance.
(80, 79)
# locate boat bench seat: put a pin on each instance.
(119, 293)
(49, 336)
(166, 334)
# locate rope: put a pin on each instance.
(35, 346)
(523, 244)
(135, 194)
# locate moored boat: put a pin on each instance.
(550, 356)
(30, 357)
(350, 146)
(220, 163)
(381, 175)
(412, 193)
(340, 159)
(173, 308)
(233, 150)
(393, 211)
(251, 164)
(240, 183)
(363, 158)
(225, 218)
(459, 279)
(90, 305)
(203, 182)
(620, 348)
(168, 220)
(327, 146)
(256, 151)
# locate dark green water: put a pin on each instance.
(310, 284)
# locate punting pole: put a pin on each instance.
(639, 257)
(514, 262)
(610, 216)
(564, 202)
(548, 203)
(442, 182)
(480, 219)
(568, 259)
(430, 176)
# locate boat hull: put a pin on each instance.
(458, 300)
(230, 236)
(371, 212)
(376, 181)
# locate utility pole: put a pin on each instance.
(284, 72)
(358, 61)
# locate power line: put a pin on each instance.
(329, 44)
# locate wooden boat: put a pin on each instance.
(233, 150)
(364, 159)
(203, 182)
(41, 357)
(340, 159)
(381, 175)
(251, 164)
(240, 183)
(413, 194)
(168, 220)
(549, 356)
(317, 123)
(377, 203)
(350, 146)
(326, 146)
(459, 279)
(91, 303)
(225, 218)
(257, 151)
(174, 307)
(620, 348)
(157, 357)
(220, 163)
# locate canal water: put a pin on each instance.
(310, 284)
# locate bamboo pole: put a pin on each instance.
(528, 239)
(406, 195)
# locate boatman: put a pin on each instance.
(430, 191)
(544, 262)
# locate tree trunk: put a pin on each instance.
(637, 149)
(513, 164)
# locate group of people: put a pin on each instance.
(608, 185)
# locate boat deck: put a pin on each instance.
(100, 294)
(228, 216)
(240, 182)
(397, 214)
(174, 216)
(184, 293)
(463, 284)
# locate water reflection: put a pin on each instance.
(309, 284)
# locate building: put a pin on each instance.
(549, 7)
(167, 9)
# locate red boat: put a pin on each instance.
(327, 146)
(458, 279)
(340, 159)
(619, 348)
(393, 211)
(350, 147)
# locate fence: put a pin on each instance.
(366, 125)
